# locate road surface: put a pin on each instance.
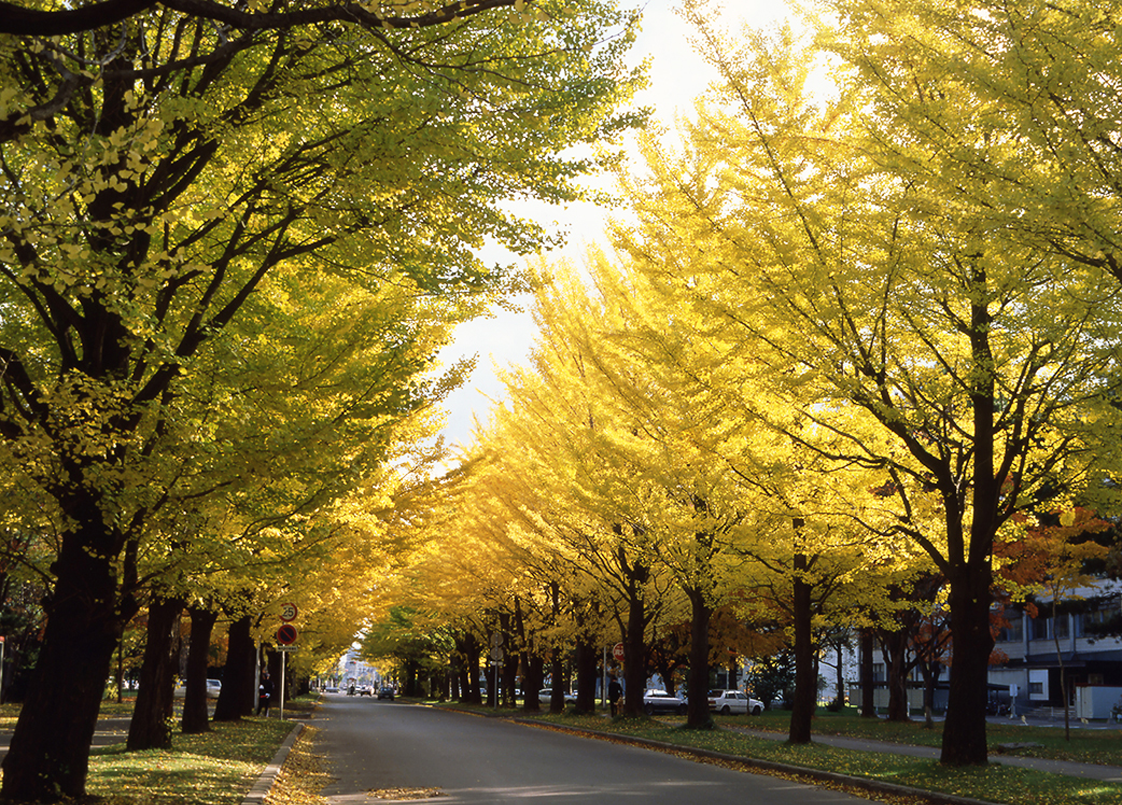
(377, 746)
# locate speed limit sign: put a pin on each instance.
(288, 612)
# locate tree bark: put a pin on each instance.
(49, 750)
(556, 672)
(150, 727)
(196, 715)
(806, 687)
(239, 694)
(894, 648)
(868, 683)
(587, 662)
(634, 668)
(697, 711)
(964, 731)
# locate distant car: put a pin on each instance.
(659, 702)
(213, 687)
(331, 689)
(385, 693)
(546, 694)
(733, 701)
(365, 690)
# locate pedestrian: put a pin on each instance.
(265, 696)
(615, 693)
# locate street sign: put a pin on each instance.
(286, 635)
(497, 653)
(617, 652)
(288, 612)
(287, 648)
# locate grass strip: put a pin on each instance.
(211, 768)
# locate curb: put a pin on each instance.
(261, 788)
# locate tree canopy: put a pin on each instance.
(230, 250)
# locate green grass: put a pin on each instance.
(212, 768)
(994, 783)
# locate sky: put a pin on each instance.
(677, 75)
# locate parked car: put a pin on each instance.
(213, 687)
(385, 693)
(657, 702)
(331, 689)
(365, 690)
(546, 694)
(733, 701)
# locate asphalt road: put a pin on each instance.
(377, 745)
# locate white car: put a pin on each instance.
(733, 701)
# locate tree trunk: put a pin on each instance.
(806, 687)
(196, 715)
(894, 648)
(49, 750)
(634, 667)
(964, 731)
(556, 672)
(239, 694)
(868, 683)
(587, 657)
(534, 667)
(150, 726)
(697, 711)
(470, 649)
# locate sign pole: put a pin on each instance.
(284, 656)
(604, 681)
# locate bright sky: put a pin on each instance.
(677, 75)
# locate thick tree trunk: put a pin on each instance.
(469, 647)
(868, 683)
(534, 667)
(556, 672)
(49, 750)
(894, 647)
(239, 693)
(149, 728)
(634, 649)
(806, 687)
(196, 715)
(697, 712)
(964, 731)
(587, 661)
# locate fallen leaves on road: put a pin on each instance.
(399, 794)
(302, 777)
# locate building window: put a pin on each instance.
(1040, 628)
(1060, 626)
(1036, 688)
(1014, 632)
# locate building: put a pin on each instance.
(1080, 634)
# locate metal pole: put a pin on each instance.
(284, 656)
(604, 682)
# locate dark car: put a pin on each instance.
(659, 702)
(385, 693)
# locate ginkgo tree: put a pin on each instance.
(169, 187)
(824, 229)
